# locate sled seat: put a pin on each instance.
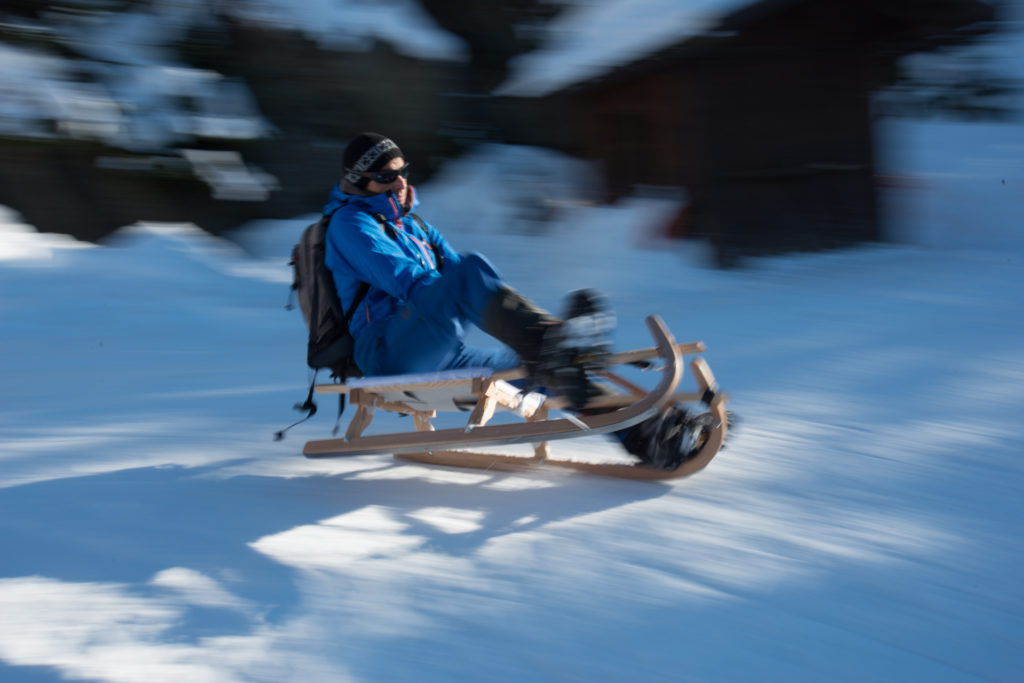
(444, 390)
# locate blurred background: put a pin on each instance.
(783, 124)
(864, 523)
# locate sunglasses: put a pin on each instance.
(388, 177)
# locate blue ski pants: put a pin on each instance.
(426, 334)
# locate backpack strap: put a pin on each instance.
(382, 219)
(309, 406)
(438, 254)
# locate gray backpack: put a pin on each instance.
(330, 345)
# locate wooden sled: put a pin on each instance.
(483, 392)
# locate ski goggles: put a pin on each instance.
(388, 177)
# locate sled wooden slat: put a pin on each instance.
(382, 388)
(622, 382)
(620, 400)
(652, 352)
(619, 358)
(516, 463)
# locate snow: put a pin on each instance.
(357, 25)
(590, 37)
(954, 184)
(861, 525)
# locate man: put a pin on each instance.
(422, 294)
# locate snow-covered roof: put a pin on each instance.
(357, 24)
(592, 37)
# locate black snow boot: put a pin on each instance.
(576, 348)
(668, 439)
(559, 354)
(515, 321)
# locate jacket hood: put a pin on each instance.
(379, 203)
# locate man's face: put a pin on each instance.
(400, 186)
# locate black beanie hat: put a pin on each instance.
(368, 152)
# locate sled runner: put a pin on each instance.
(482, 392)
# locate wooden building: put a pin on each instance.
(766, 120)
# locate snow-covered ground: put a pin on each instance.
(862, 525)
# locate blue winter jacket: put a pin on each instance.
(359, 250)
